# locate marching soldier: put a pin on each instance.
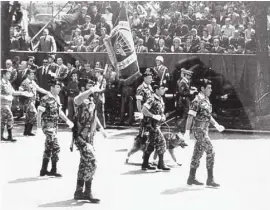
(199, 116)
(48, 115)
(161, 72)
(83, 134)
(29, 85)
(184, 94)
(100, 96)
(144, 92)
(153, 110)
(7, 93)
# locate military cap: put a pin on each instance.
(148, 72)
(99, 70)
(185, 71)
(157, 85)
(53, 82)
(3, 71)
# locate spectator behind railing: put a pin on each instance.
(202, 20)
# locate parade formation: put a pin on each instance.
(83, 98)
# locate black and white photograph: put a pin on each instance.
(135, 105)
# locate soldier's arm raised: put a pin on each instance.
(78, 100)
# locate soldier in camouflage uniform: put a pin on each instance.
(30, 86)
(153, 110)
(199, 116)
(144, 91)
(48, 115)
(83, 133)
(7, 93)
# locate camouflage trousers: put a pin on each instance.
(6, 117)
(140, 140)
(52, 147)
(88, 163)
(30, 113)
(156, 141)
(203, 144)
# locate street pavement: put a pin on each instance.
(241, 167)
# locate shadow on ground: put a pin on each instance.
(136, 172)
(180, 190)
(29, 179)
(67, 203)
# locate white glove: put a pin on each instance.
(187, 135)
(163, 117)
(95, 89)
(157, 117)
(39, 132)
(104, 133)
(138, 115)
(220, 128)
(52, 74)
(70, 124)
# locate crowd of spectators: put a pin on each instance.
(198, 27)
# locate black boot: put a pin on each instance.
(44, 167)
(79, 195)
(210, 180)
(161, 164)
(10, 135)
(2, 134)
(30, 126)
(88, 192)
(53, 171)
(145, 164)
(191, 179)
(26, 129)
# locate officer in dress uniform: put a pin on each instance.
(161, 72)
(83, 133)
(30, 86)
(143, 93)
(183, 95)
(153, 110)
(48, 115)
(7, 93)
(200, 117)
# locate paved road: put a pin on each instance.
(242, 169)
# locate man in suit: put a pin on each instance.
(213, 28)
(95, 16)
(237, 39)
(25, 42)
(216, 48)
(149, 41)
(47, 42)
(161, 46)
(43, 75)
(62, 75)
(20, 77)
(103, 24)
(80, 47)
(188, 48)
(52, 66)
(140, 48)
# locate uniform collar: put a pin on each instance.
(185, 80)
(202, 96)
(147, 86)
(4, 81)
(157, 97)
